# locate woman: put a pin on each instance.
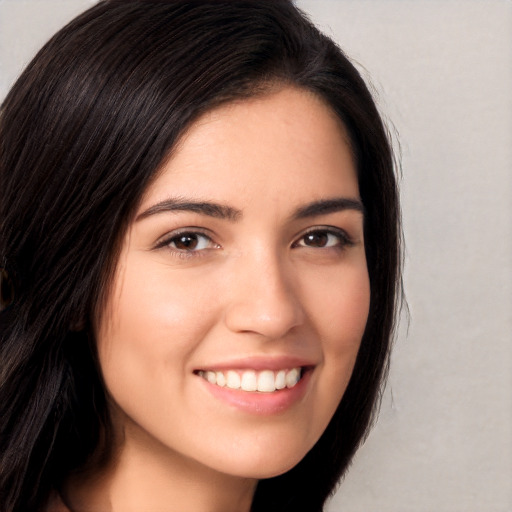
(200, 246)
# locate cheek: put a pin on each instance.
(341, 308)
(153, 322)
(342, 313)
(154, 304)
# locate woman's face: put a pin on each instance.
(244, 266)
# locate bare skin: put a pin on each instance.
(244, 266)
(172, 486)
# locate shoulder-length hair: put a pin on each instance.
(82, 133)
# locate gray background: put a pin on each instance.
(442, 73)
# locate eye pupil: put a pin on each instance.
(318, 239)
(186, 242)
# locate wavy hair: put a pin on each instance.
(82, 133)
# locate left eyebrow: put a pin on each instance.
(207, 208)
(326, 206)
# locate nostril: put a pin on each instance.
(257, 319)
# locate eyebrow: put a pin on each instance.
(220, 211)
(208, 208)
(326, 206)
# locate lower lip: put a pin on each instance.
(257, 402)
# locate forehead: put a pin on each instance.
(285, 141)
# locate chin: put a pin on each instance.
(264, 463)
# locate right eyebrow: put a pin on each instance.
(209, 208)
(327, 206)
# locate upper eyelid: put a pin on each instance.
(326, 228)
(164, 240)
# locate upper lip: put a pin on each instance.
(259, 363)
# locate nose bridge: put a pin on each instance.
(264, 297)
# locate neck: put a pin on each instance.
(145, 475)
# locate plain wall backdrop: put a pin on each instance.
(442, 74)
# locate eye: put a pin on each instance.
(324, 239)
(188, 241)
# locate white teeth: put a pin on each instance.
(266, 381)
(233, 380)
(249, 381)
(221, 379)
(281, 380)
(292, 377)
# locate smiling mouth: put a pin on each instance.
(265, 381)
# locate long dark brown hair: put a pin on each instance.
(82, 133)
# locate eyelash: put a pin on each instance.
(342, 240)
(186, 233)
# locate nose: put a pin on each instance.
(264, 298)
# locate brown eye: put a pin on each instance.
(318, 239)
(185, 242)
(324, 239)
(189, 242)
